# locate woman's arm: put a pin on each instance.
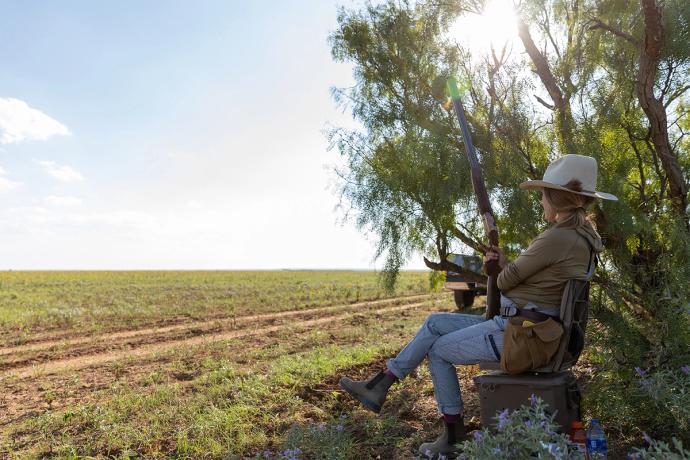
(541, 253)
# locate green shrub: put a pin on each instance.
(529, 432)
(659, 450)
(436, 280)
(670, 391)
(322, 441)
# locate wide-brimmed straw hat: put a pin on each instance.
(567, 168)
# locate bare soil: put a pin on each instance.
(48, 340)
(61, 372)
(411, 404)
(47, 355)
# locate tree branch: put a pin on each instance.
(599, 24)
(640, 167)
(564, 117)
(476, 245)
(544, 103)
(675, 95)
(445, 265)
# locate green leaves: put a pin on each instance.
(406, 180)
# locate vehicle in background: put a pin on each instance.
(465, 289)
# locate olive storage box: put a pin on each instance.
(559, 390)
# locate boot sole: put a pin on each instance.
(368, 404)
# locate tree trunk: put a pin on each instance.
(650, 52)
(561, 101)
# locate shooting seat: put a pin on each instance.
(554, 383)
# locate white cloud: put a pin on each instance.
(195, 204)
(19, 122)
(65, 201)
(61, 173)
(135, 220)
(65, 221)
(5, 183)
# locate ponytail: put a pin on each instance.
(566, 202)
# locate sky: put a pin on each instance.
(176, 135)
(172, 135)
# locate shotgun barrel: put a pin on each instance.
(493, 296)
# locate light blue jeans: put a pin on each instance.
(447, 339)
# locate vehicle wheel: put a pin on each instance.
(464, 299)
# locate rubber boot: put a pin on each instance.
(372, 393)
(445, 444)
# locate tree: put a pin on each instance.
(606, 78)
(611, 90)
(405, 174)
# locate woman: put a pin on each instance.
(531, 286)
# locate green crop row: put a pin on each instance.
(100, 301)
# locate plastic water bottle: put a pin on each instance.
(597, 447)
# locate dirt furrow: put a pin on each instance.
(97, 345)
(24, 398)
(102, 358)
(123, 335)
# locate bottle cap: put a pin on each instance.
(595, 421)
(577, 424)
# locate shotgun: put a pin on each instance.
(493, 295)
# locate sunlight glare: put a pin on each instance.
(495, 27)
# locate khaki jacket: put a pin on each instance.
(539, 274)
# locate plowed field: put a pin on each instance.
(204, 364)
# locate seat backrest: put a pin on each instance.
(574, 311)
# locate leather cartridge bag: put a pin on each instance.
(528, 346)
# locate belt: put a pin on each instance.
(536, 316)
(509, 312)
(509, 309)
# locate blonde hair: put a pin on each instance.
(577, 204)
